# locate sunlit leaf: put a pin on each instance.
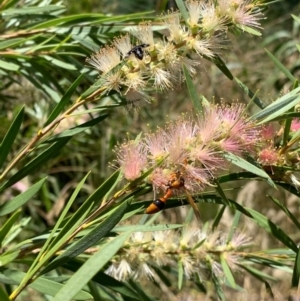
(106, 280)
(90, 268)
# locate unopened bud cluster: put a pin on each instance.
(273, 154)
(197, 251)
(156, 64)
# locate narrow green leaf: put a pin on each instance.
(183, 10)
(65, 99)
(296, 18)
(10, 136)
(89, 203)
(280, 66)
(271, 263)
(7, 226)
(147, 228)
(180, 274)
(8, 257)
(288, 187)
(60, 63)
(287, 115)
(44, 285)
(248, 29)
(90, 239)
(144, 296)
(21, 199)
(3, 295)
(242, 163)
(193, 91)
(9, 66)
(275, 111)
(221, 193)
(286, 133)
(77, 129)
(105, 280)
(68, 230)
(258, 275)
(17, 229)
(296, 271)
(97, 292)
(256, 100)
(56, 22)
(49, 242)
(11, 43)
(189, 217)
(218, 217)
(270, 227)
(33, 10)
(286, 211)
(218, 287)
(38, 161)
(278, 107)
(90, 268)
(236, 176)
(227, 272)
(234, 225)
(222, 66)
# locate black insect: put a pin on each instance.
(138, 51)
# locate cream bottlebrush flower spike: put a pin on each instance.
(134, 71)
(144, 250)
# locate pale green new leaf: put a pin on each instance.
(227, 272)
(183, 10)
(180, 274)
(248, 29)
(9, 66)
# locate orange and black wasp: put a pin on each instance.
(176, 182)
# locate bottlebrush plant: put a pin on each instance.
(70, 231)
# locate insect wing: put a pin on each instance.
(194, 206)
